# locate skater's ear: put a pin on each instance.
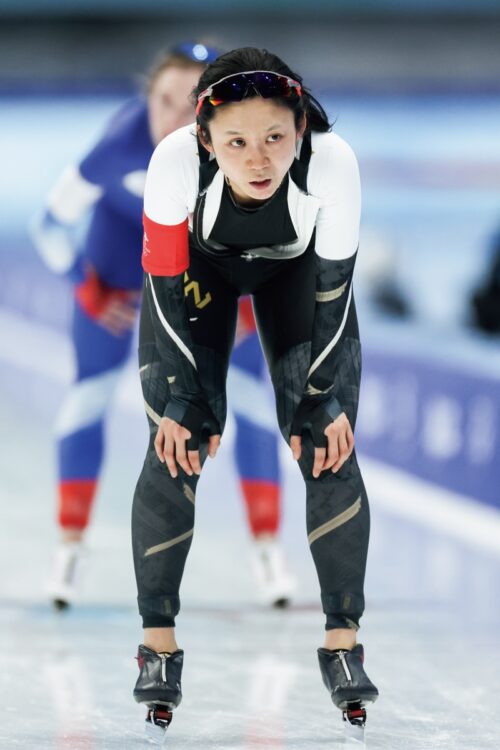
(302, 126)
(204, 137)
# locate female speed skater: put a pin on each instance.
(107, 275)
(259, 198)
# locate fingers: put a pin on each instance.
(296, 446)
(170, 446)
(213, 445)
(194, 462)
(340, 443)
(171, 449)
(319, 460)
(183, 458)
(159, 444)
(350, 438)
(333, 451)
(343, 453)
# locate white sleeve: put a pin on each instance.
(169, 179)
(334, 177)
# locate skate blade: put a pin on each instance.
(158, 720)
(354, 716)
(155, 734)
(354, 733)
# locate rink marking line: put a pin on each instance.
(166, 545)
(336, 521)
(444, 511)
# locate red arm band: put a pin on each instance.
(165, 250)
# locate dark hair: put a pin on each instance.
(250, 58)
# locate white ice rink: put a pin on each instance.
(431, 627)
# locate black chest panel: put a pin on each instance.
(243, 229)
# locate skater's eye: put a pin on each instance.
(274, 138)
(237, 142)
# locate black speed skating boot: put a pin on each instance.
(159, 687)
(348, 684)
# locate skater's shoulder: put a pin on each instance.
(332, 148)
(333, 165)
(179, 146)
(174, 165)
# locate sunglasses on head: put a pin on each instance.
(237, 86)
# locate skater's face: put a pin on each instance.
(254, 142)
(169, 106)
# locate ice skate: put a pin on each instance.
(349, 686)
(159, 688)
(276, 585)
(63, 583)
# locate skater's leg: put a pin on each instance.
(164, 507)
(337, 505)
(100, 357)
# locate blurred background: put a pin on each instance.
(414, 87)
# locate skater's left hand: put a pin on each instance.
(340, 445)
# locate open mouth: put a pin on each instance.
(261, 184)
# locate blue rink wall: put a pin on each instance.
(430, 172)
(433, 419)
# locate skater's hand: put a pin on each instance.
(171, 448)
(120, 314)
(114, 309)
(340, 445)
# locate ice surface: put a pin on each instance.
(251, 678)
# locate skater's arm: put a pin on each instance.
(337, 237)
(57, 230)
(54, 231)
(165, 259)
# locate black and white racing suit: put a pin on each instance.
(295, 255)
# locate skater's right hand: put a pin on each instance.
(171, 447)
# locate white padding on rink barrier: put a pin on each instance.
(447, 512)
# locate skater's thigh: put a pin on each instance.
(212, 306)
(284, 311)
(284, 307)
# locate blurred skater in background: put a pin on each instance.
(105, 269)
